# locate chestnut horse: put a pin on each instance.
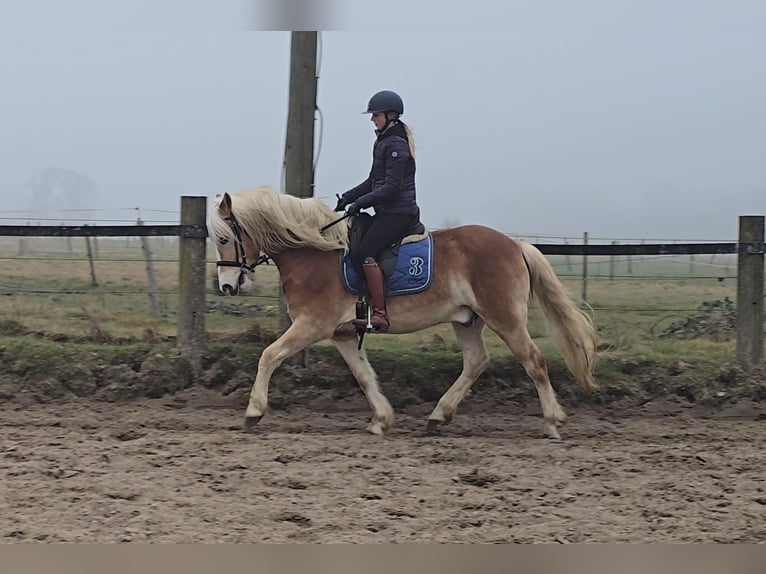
(481, 278)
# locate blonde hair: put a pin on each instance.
(410, 139)
(407, 129)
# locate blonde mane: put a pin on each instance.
(277, 221)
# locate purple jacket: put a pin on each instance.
(390, 187)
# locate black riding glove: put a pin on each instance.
(342, 203)
(353, 209)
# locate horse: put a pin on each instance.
(482, 278)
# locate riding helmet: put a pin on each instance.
(385, 101)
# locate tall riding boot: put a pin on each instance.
(374, 277)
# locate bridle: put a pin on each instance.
(239, 251)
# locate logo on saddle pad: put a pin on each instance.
(416, 269)
(409, 273)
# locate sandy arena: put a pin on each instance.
(180, 469)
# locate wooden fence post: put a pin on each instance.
(89, 250)
(151, 276)
(192, 339)
(750, 292)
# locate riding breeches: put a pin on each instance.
(384, 230)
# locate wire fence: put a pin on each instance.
(54, 285)
(56, 279)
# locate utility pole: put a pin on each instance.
(299, 147)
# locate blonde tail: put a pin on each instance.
(571, 330)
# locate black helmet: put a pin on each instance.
(385, 101)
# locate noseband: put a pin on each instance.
(239, 251)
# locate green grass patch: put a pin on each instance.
(59, 331)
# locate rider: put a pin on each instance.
(390, 189)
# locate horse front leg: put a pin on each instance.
(298, 336)
(356, 359)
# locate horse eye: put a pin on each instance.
(223, 240)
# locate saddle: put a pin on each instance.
(406, 274)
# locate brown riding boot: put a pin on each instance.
(374, 277)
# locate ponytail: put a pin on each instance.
(410, 138)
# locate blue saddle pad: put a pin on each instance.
(412, 271)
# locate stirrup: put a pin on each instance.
(367, 325)
(363, 321)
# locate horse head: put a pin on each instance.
(236, 253)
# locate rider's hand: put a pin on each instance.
(342, 203)
(353, 209)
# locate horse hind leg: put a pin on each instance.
(475, 362)
(356, 359)
(516, 336)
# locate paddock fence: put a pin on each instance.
(746, 256)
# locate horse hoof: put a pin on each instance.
(250, 423)
(432, 426)
(552, 433)
(376, 428)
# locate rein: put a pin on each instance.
(329, 225)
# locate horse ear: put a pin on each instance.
(225, 205)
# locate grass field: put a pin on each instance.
(46, 286)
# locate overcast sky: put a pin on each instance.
(626, 119)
